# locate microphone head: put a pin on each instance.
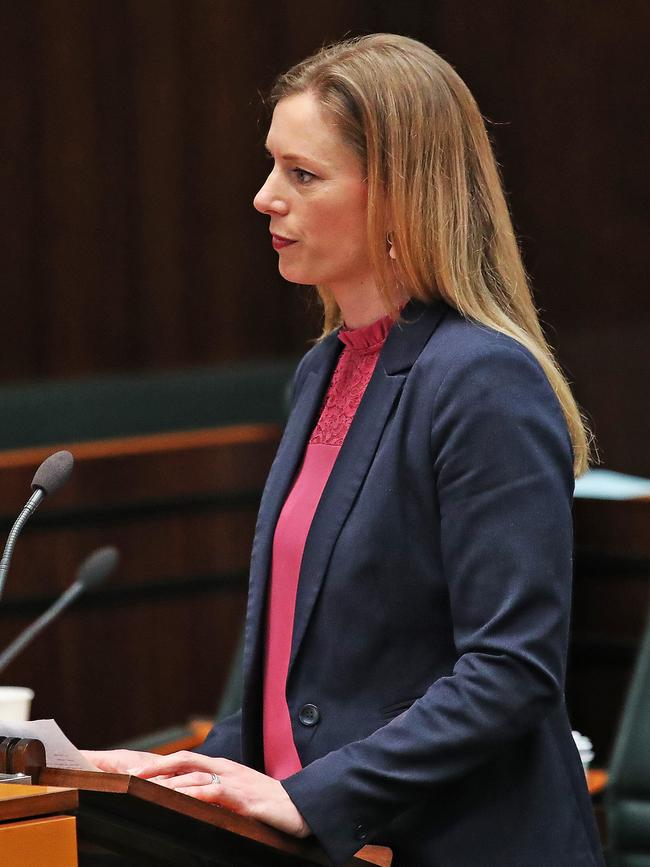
(54, 472)
(98, 566)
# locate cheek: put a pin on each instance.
(344, 223)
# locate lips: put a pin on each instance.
(279, 242)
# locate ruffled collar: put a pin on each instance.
(367, 338)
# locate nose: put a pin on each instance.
(269, 199)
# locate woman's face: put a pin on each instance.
(316, 198)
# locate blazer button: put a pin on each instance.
(360, 833)
(309, 715)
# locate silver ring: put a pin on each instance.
(216, 779)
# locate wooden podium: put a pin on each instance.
(32, 830)
(123, 821)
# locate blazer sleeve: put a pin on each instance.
(224, 739)
(504, 483)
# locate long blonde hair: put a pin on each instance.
(434, 186)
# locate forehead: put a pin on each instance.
(301, 127)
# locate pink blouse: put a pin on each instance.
(351, 376)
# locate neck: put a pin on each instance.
(361, 305)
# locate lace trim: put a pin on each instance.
(351, 377)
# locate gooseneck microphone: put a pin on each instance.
(94, 569)
(52, 474)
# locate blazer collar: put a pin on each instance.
(300, 424)
(405, 341)
(407, 338)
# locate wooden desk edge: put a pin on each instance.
(18, 802)
(217, 816)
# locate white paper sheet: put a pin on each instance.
(59, 751)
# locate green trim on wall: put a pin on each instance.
(64, 411)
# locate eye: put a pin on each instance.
(303, 176)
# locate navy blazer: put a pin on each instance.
(427, 668)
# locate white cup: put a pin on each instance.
(15, 703)
(585, 748)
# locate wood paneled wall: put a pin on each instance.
(131, 151)
(152, 646)
(611, 605)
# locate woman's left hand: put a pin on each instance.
(236, 787)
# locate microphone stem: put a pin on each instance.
(38, 625)
(28, 510)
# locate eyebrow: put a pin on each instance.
(297, 157)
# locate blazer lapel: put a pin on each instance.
(402, 347)
(283, 470)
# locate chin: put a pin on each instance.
(296, 275)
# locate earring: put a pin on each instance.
(391, 249)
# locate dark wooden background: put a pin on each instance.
(131, 149)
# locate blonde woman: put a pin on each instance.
(410, 583)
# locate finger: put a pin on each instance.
(216, 793)
(210, 794)
(93, 756)
(162, 781)
(198, 778)
(105, 760)
(176, 763)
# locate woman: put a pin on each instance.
(409, 599)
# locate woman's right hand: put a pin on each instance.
(118, 761)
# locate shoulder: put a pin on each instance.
(491, 396)
(467, 361)
(463, 343)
